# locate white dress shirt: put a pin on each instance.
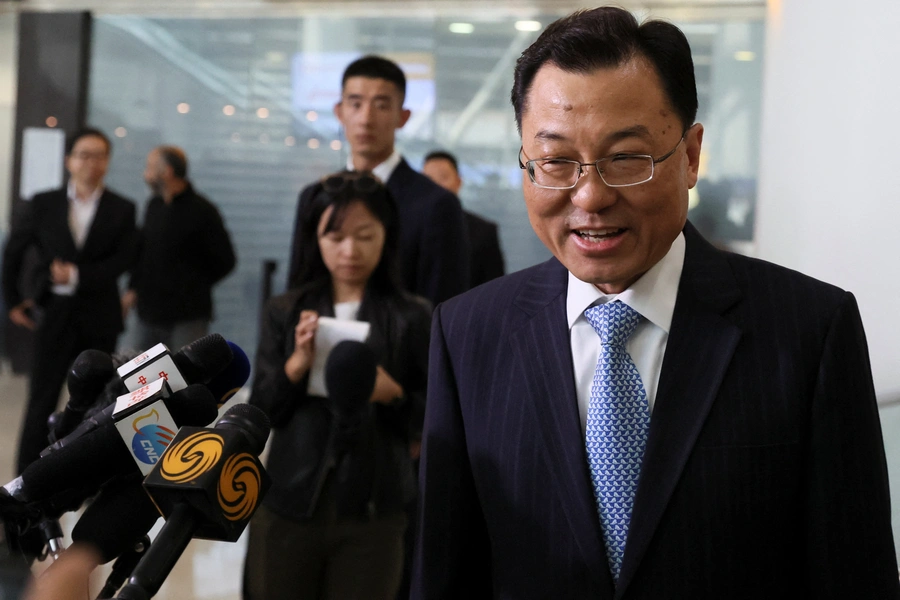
(81, 216)
(384, 170)
(653, 296)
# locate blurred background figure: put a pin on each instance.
(485, 255)
(85, 237)
(333, 522)
(184, 250)
(373, 92)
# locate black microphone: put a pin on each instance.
(204, 358)
(86, 380)
(229, 382)
(117, 518)
(350, 373)
(94, 458)
(122, 512)
(201, 361)
(208, 484)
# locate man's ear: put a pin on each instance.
(404, 117)
(693, 142)
(339, 111)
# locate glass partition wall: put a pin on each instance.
(250, 100)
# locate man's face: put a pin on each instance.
(88, 161)
(371, 110)
(608, 236)
(441, 171)
(154, 172)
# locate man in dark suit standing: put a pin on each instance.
(432, 231)
(85, 238)
(643, 416)
(485, 255)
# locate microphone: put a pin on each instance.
(122, 512)
(94, 458)
(350, 373)
(208, 484)
(198, 362)
(85, 381)
(229, 382)
(114, 521)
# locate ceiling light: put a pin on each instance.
(528, 25)
(462, 27)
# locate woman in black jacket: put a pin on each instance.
(332, 524)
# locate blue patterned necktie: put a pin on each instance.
(617, 422)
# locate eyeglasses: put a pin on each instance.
(360, 181)
(618, 170)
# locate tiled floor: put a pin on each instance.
(206, 571)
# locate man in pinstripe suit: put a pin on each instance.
(762, 473)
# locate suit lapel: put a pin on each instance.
(95, 231)
(699, 349)
(61, 223)
(542, 346)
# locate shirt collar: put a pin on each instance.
(385, 169)
(653, 295)
(93, 198)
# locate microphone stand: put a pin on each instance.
(53, 536)
(123, 567)
(156, 564)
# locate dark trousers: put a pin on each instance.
(323, 559)
(58, 341)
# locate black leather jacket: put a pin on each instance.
(375, 477)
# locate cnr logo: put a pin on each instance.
(150, 440)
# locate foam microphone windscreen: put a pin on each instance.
(204, 358)
(227, 383)
(88, 376)
(85, 382)
(350, 373)
(194, 405)
(117, 518)
(250, 420)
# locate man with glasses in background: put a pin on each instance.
(433, 246)
(85, 238)
(643, 416)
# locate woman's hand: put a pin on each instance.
(386, 388)
(299, 362)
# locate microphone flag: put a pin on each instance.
(216, 473)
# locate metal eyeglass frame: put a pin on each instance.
(528, 165)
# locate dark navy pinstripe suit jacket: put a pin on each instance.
(764, 475)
